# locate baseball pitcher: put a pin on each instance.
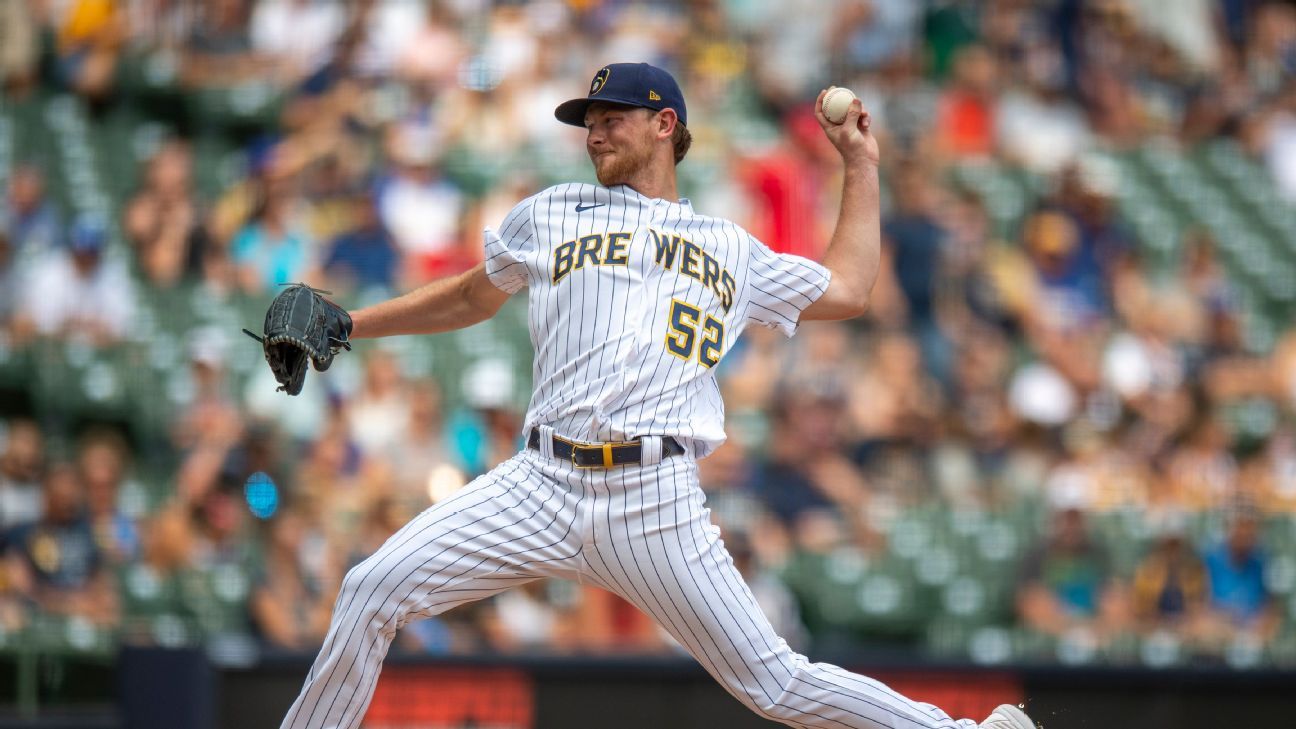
(634, 298)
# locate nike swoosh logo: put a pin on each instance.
(582, 208)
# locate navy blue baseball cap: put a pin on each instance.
(632, 84)
(88, 233)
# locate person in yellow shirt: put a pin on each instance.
(89, 38)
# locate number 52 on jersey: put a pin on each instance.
(688, 332)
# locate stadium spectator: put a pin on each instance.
(293, 597)
(421, 447)
(805, 470)
(77, 291)
(1070, 294)
(101, 463)
(871, 34)
(488, 430)
(978, 409)
(1067, 583)
(33, 222)
(338, 483)
(90, 37)
(784, 187)
(162, 222)
(1038, 126)
(1277, 139)
(916, 243)
(1088, 191)
(536, 617)
(22, 467)
(1272, 474)
(894, 400)
(218, 51)
(1240, 602)
(297, 33)
(211, 415)
(19, 47)
(1170, 589)
(55, 562)
(965, 122)
(420, 207)
(273, 247)
(432, 56)
(380, 411)
(1271, 48)
(364, 256)
(220, 521)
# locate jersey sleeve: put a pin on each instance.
(509, 250)
(780, 286)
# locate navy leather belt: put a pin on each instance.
(602, 455)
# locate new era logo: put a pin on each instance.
(653, 95)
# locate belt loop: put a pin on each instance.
(607, 455)
(546, 440)
(650, 450)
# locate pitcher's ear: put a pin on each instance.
(667, 120)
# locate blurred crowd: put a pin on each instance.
(1042, 370)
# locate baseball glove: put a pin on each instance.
(302, 326)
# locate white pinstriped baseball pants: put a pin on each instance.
(639, 531)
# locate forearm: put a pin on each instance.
(453, 302)
(855, 250)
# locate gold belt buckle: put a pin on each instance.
(606, 448)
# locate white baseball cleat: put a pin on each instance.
(1007, 716)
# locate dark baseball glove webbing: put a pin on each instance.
(301, 326)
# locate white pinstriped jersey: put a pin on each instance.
(633, 301)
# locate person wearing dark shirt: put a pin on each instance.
(807, 472)
(55, 561)
(917, 242)
(1170, 584)
(365, 255)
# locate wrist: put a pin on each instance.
(860, 163)
(860, 173)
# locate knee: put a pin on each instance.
(356, 601)
(770, 708)
(776, 706)
(354, 583)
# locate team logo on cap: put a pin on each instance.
(600, 80)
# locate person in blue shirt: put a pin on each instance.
(271, 249)
(1067, 581)
(1235, 567)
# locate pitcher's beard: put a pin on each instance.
(622, 167)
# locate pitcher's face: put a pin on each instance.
(619, 140)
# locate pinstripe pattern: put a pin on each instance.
(601, 369)
(603, 372)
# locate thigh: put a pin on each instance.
(505, 528)
(660, 551)
(655, 545)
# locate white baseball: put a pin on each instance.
(836, 103)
